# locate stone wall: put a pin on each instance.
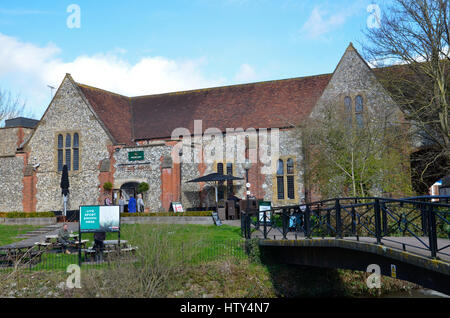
(68, 113)
(11, 175)
(11, 138)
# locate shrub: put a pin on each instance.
(14, 215)
(142, 187)
(187, 213)
(107, 186)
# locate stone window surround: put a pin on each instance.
(353, 104)
(64, 134)
(286, 200)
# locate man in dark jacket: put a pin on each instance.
(99, 246)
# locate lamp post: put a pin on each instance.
(247, 165)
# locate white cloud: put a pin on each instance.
(246, 73)
(30, 68)
(321, 22)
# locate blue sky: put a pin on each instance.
(140, 47)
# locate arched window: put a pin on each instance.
(348, 104)
(76, 152)
(60, 152)
(230, 182)
(280, 180)
(359, 111)
(68, 151)
(290, 178)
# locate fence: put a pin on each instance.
(180, 252)
(419, 223)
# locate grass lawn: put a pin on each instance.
(8, 233)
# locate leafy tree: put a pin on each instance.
(347, 158)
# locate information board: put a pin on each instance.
(263, 207)
(216, 219)
(177, 207)
(99, 218)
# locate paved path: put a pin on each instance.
(72, 226)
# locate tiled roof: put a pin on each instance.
(272, 104)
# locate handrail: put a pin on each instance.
(379, 218)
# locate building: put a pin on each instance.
(106, 137)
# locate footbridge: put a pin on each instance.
(406, 238)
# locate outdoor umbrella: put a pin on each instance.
(65, 186)
(214, 179)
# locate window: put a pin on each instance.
(359, 111)
(290, 179)
(60, 152)
(230, 182)
(76, 152)
(285, 179)
(68, 151)
(354, 114)
(280, 180)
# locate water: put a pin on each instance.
(417, 293)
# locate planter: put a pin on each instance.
(28, 221)
(203, 220)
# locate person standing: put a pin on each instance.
(107, 201)
(132, 205)
(99, 245)
(121, 204)
(140, 203)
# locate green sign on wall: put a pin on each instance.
(135, 155)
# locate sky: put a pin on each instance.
(142, 47)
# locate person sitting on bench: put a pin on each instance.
(64, 238)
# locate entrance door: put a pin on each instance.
(128, 190)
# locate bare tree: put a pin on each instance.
(413, 45)
(10, 106)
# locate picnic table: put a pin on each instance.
(110, 246)
(26, 254)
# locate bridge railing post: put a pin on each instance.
(377, 220)
(424, 217)
(242, 225)
(285, 222)
(432, 235)
(384, 218)
(338, 219)
(308, 221)
(265, 224)
(353, 221)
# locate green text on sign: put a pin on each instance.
(135, 155)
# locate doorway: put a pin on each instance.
(127, 190)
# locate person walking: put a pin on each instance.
(140, 203)
(132, 205)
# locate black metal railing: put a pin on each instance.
(418, 224)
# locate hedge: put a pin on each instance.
(187, 213)
(15, 215)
